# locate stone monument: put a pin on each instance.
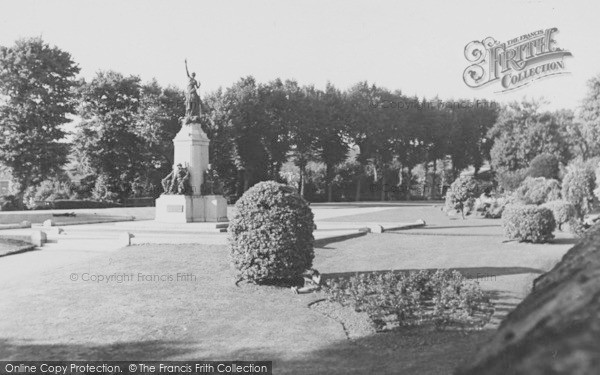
(182, 200)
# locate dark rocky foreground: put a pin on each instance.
(556, 329)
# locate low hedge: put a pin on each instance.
(72, 204)
(528, 223)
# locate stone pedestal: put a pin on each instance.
(191, 208)
(215, 208)
(191, 151)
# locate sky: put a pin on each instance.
(416, 47)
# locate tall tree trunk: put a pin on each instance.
(432, 192)
(357, 195)
(383, 187)
(329, 175)
(239, 186)
(408, 182)
(247, 176)
(302, 179)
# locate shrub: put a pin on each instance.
(510, 180)
(578, 188)
(528, 223)
(462, 194)
(270, 237)
(83, 189)
(47, 191)
(495, 206)
(544, 165)
(562, 211)
(102, 190)
(597, 180)
(9, 203)
(537, 191)
(393, 299)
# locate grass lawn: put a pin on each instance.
(207, 317)
(9, 246)
(203, 315)
(38, 217)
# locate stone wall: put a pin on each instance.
(556, 329)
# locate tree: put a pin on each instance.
(219, 130)
(36, 97)
(578, 186)
(589, 115)
(462, 193)
(371, 128)
(156, 124)
(522, 131)
(468, 142)
(246, 115)
(331, 138)
(544, 165)
(107, 135)
(275, 135)
(302, 126)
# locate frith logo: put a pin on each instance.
(516, 62)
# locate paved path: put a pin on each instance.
(83, 242)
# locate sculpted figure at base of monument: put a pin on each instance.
(177, 182)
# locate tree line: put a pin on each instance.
(339, 142)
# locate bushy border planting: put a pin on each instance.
(443, 298)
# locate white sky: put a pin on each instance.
(414, 46)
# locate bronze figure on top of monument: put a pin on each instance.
(192, 99)
(189, 190)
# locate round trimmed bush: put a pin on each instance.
(271, 235)
(528, 223)
(563, 211)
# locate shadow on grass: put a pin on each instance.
(477, 273)
(343, 205)
(123, 351)
(565, 241)
(418, 232)
(405, 351)
(434, 227)
(322, 243)
(414, 350)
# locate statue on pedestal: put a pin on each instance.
(212, 182)
(177, 182)
(192, 99)
(183, 200)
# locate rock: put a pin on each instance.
(26, 224)
(48, 223)
(556, 329)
